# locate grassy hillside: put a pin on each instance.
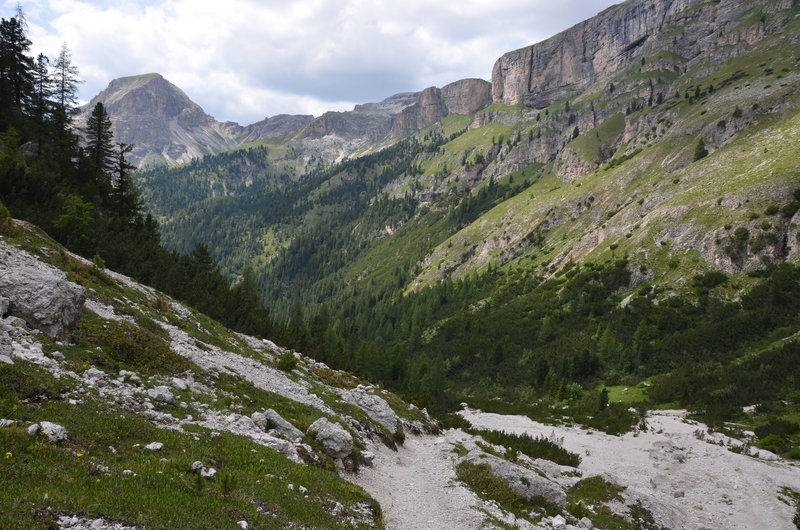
(131, 340)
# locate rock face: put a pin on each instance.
(524, 481)
(269, 419)
(39, 294)
(573, 60)
(376, 408)
(337, 442)
(461, 97)
(166, 127)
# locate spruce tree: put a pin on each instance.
(65, 80)
(100, 146)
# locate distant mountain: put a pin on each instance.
(168, 128)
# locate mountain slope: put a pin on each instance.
(128, 388)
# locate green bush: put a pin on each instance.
(6, 223)
(287, 362)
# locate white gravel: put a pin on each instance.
(700, 484)
(417, 486)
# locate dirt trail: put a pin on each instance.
(417, 486)
(702, 485)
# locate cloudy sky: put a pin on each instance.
(242, 60)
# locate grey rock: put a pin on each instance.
(303, 490)
(6, 423)
(527, 483)
(52, 431)
(338, 443)
(128, 473)
(208, 472)
(179, 383)
(6, 359)
(4, 303)
(283, 427)
(243, 524)
(94, 373)
(260, 420)
(559, 523)
(376, 407)
(586, 523)
(161, 394)
(33, 430)
(39, 294)
(197, 465)
(369, 457)
(155, 446)
(57, 355)
(14, 323)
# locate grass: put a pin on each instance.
(41, 479)
(480, 479)
(588, 145)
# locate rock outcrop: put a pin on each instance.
(461, 97)
(376, 407)
(573, 60)
(38, 293)
(527, 483)
(338, 443)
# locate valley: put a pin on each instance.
(565, 297)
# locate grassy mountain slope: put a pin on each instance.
(130, 341)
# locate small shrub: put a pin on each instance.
(700, 150)
(771, 210)
(6, 224)
(287, 362)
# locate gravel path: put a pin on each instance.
(417, 486)
(700, 484)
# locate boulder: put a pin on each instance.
(376, 408)
(4, 303)
(260, 420)
(52, 431)
(337, 442)
(527, 483)
(162, 394)
(39, 294)
(283, 427)
(155, 446)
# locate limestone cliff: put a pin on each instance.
(575, 59)
(461, 97)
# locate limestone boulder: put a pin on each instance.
(39, 293)
(338, 443)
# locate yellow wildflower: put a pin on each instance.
(9, 455)
(78, 454)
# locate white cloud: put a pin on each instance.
(246, 59)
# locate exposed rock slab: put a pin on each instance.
(527, 483)
(39, 294)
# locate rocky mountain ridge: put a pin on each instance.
(167, 128)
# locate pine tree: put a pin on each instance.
(42, 105)
(65, 79)
(124, 194)
(100, 145)
(16, 69)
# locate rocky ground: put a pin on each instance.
(698, 483)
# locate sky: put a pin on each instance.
(244, 60)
